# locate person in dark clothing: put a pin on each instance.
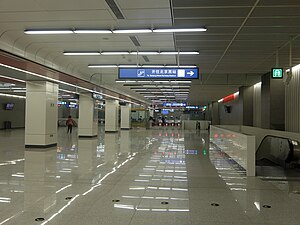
(163, 121)
(70, 123)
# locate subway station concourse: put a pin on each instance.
(150, 112)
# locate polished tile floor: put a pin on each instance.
(136, 177)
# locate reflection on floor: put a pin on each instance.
(160, 176)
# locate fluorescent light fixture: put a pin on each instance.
(188, 66)
(129, 66)
(236, 94)
(13, 96)
(201, 29)
(149, 85)
(120, 81)
(19, 90)
(130, 81)
(92, 31)
(58, 81)
(188, 53)
(115, 53)
(11, 78)
(102, 66)
(168, 53)
(161, 81)
(220, 100)
(149, 96)
(81, 53)
(181, 66)
(181, 81)
(181, 86)
(136, 31)
(144, 53)
(152, 66)
(48, 32)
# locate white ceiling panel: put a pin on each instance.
(147, 13)
(211, 12)
(20, 6)
(144, 4)
(56, 16)
(211, 3)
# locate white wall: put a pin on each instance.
(16, 116)
(257, 105)
(292, 103)
(235, 117)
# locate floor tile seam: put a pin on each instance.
(135, 211)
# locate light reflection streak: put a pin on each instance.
(257, 205)
(12, 162)
(6, 220)
(63, 188)
(63, 208)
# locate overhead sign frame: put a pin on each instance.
(159, 73)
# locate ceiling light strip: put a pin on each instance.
(13, 96)
(131, 53)
(107, 31)
(62, 82)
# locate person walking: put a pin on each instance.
(70, 123)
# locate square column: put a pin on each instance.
(88, 117)
(126, 117)
(41, 114)
(111, 115)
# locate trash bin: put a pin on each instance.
(7, 124)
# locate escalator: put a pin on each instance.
(278, 151)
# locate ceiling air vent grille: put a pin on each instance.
(115, 9)
(135, 41)
(146, 58)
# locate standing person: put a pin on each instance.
(163, 121)
(70, 123)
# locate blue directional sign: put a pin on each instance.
(174, 104)
(158, 73)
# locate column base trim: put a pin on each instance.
(111, 131)
(126, 128)
(87, 136)
(41, 146)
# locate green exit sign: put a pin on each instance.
(277, 73)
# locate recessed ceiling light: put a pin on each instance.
(132, 31)
(92, 31)
(48, 32)
(201, 29)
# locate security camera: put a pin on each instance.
(288, 77)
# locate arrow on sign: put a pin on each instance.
(191, 73)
